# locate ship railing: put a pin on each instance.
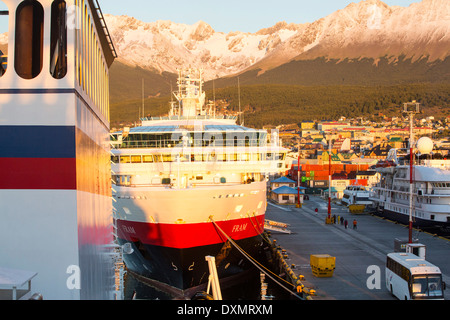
(197, 117)
(105, 28)
(175, 186)
(169, 143)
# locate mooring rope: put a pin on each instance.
(256, 263)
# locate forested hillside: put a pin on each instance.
(278, 104)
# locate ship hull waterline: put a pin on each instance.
(434, 227)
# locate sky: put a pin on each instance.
(225, 16)
(232, 15)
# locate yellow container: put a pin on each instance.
(356, 208)
(322, 265)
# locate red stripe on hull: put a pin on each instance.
(189, 235)
(38, 173)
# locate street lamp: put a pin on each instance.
(298, 175)
(411, 108)
(329, 182)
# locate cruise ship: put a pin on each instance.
(55, 191)
(190, 185)
(431, 193)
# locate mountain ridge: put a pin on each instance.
(367, 29)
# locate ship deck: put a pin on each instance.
(355, 249)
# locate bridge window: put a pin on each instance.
(29, 39)
(58, 42)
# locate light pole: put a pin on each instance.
(329, 182)
(298, 174)
(411, 108)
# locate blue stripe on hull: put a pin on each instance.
(37, 142)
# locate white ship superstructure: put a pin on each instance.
(187, 181)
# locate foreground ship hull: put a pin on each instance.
(55, 191)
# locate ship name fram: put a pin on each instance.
(239, 227)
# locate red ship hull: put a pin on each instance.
(172, 256)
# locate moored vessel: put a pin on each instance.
(191, 185)
(356, 195)
(431, 193)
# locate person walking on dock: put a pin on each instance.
(345, 223)
(355, 223)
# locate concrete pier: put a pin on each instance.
(358, 251)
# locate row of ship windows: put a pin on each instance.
(441, 184)
(197, 157)
(91, 70)
(419, 214)
(29, 40)
(125, 180)
(406, 197)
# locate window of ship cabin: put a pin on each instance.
(4, 21)
(147, 158)
(211, 157)
(256, 157)
(29, 39)
(222, 157)
(197, 157)
(136, 159)
(58, 40)
(125, 159)
(168, 158)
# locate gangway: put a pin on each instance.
(16, 285)
(276, 226)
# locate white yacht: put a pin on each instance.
(356, 194)
(190, 185)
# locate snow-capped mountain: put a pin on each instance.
(372, 29)
(369, 29)
(166, 46)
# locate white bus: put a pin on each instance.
(410, 277)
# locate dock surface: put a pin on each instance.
(356, 250)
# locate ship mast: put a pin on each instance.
(190, 95)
